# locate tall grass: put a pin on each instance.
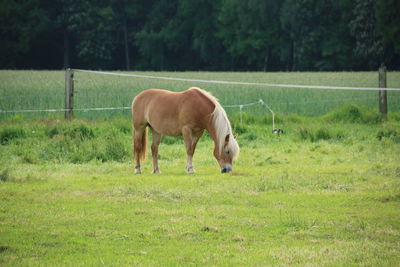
(21, 90)
(82, 141)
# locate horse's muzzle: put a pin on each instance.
(226, 169)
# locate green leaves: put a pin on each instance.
(267, 35)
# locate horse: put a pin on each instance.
(188, 114)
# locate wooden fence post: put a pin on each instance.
(383, 109)
(69, 94)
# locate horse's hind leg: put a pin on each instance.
(154, 150)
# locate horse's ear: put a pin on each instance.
(227, 138)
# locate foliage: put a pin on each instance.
(200, 35)
(250, 32)
(388, 22)
(314, 28)
(22, 26)
(363, 28)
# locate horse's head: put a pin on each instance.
(226, 154)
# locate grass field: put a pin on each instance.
(327, 192)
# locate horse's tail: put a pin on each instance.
(139, 149)
(142, 152)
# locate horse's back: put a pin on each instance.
(167, 112)
(196, 106)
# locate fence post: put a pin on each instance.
(382, 93)
(69, 94)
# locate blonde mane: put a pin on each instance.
(221, 125)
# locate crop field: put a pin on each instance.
(326, 192)
(22, 90)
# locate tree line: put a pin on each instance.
(229, 35)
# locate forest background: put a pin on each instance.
(215, 35)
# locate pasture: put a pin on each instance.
(327, 192)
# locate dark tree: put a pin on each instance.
(368, 46)
(254, 35)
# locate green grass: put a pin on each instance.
(327, 192)
(45, 90)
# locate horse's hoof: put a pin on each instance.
(156, 171)
(138, 171)
(190, 170)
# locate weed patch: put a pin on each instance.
(5, 175)
(239, 128)
(351, 113)
(77, 130)
(11, 133)
(315, 135)
(391, 134)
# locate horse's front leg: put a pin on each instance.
(154, 150)
(191, 138)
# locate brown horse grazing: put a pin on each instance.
(185, 114)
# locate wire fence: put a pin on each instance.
(110, 92)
